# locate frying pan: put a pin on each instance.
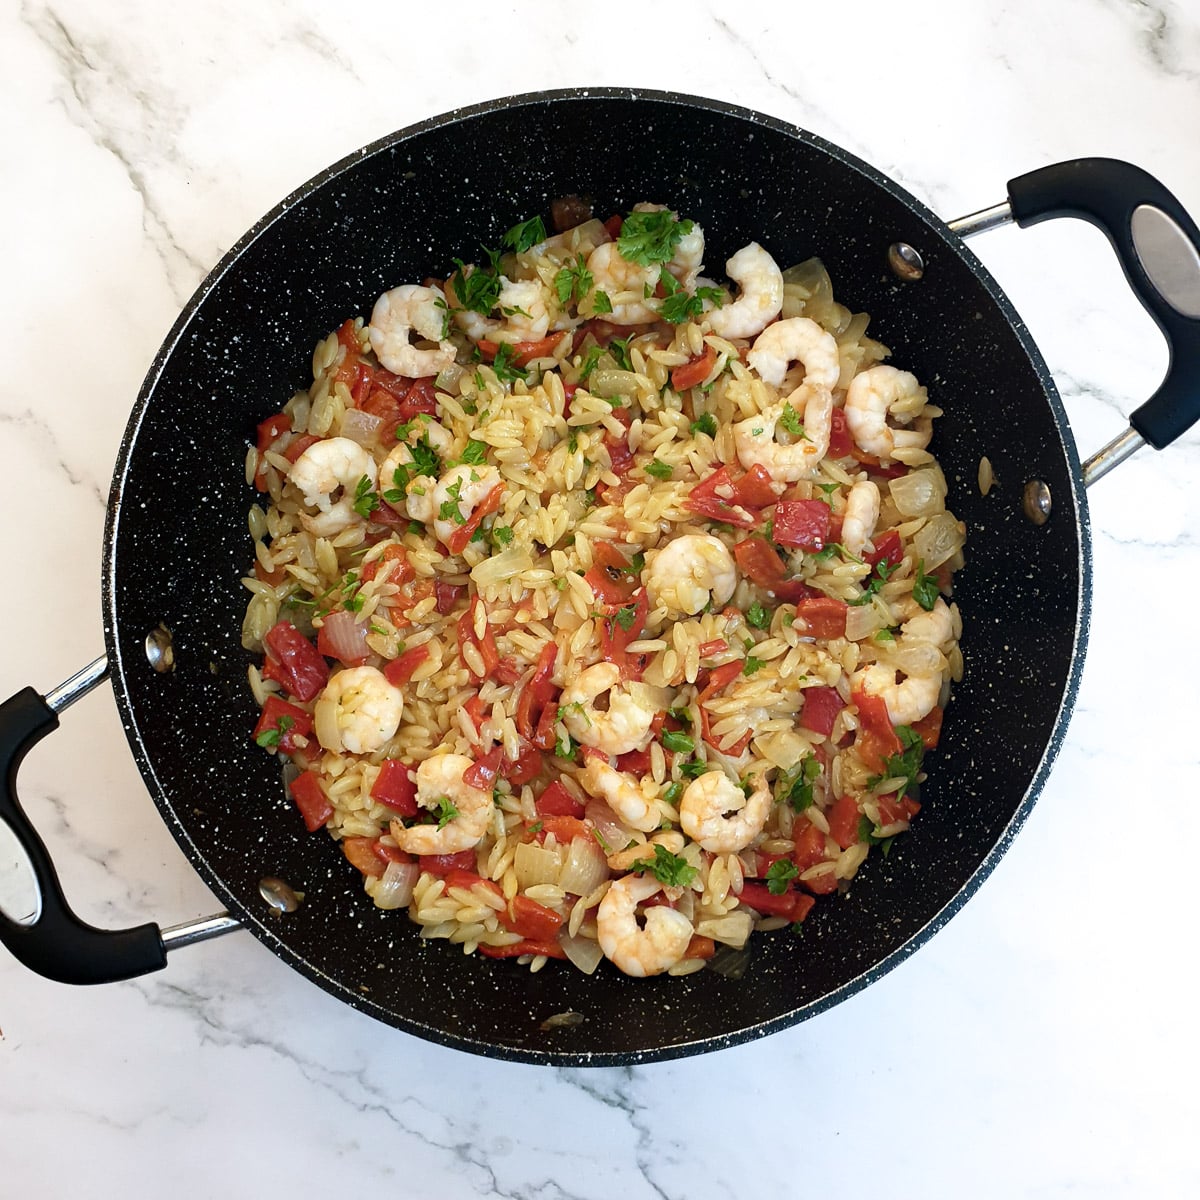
(176, 544)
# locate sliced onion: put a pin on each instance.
(938, 539)
(861, 621)
(344, 638)
(583, 952)
(585, 867)
(607, 381)
(359, 426)
(536, 864)
(616, 836)
(394, 888)
(919, 493)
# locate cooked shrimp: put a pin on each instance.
(358, 712)
(873, 395)
(465, 811)
(760, 297)
(640, 950)
(796, 339)
(621, 794)
(913, 697)
(450, 501)
(715, 813)
(756, 439)
(626, 285)
(523, 305)
(328, 468)
(623, 726)
(858, 522)
(688, 572)
(402, 312)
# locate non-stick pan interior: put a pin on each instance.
(177, 544)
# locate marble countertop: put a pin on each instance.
(1041, 1044)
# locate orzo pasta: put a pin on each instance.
(604, 609)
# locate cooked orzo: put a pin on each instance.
(603, 608)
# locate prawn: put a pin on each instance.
(862, 512)
(358, 712)
(914, 696)
(465, 811)
(873, 395)
(690, 571)
(522, 302)
(715, 813)
(623, 727)
(332, 467)
(760, 298)
(450, 503)
(756, 443)
(688, 259)
(640, 950)
(796, 339)
(626, 285)
(620, 793)
(398, 314)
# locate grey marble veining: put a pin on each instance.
(1039, 1045)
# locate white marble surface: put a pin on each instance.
(1043, 1044)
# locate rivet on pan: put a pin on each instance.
(279, 895)
(1036, 501)
(160, 650)
(906, 263)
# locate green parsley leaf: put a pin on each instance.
(271, 737)
(476, 288)
(671, 870)
(704, 424)
(449, 510)
(651, 237)
(572, 443)
(601, 303)
(779, 874)
(753, 664)
(885, 635)
(693, 769)
(403, 430)
(415, 527)
(790, 420)
(537, 827)
(672, 792)
(678, 743)
(425, 458)
(573, 281)
(795, 787)
(627, 616)
(682, 715)
(365, 500)
(907, 763)
(589, 362)
(679, 306)
(829, 550)
(925, 589)
(446, 811)
(600, 838)
(619, 349)
(525, 235)
(502, 364)
(659, 469)
(502, 534)
(474, 453)
(758, 616)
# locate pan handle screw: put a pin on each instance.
(1036, 501)
(160, 649)
(278, 894)
(906, 262)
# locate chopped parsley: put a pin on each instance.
(679, 306)
(478, 288)
(619, 349)
(753, 664)
(885, 635)
(365, 499)
(502, 534)
(693, 769)
(671, 870)
(829, 550)
(682, 715)
(672, 792)
(779, 874)
(651, 237)
(474, 453)
(659, 469)
(525, 235)
(449, 510)
(573, 281)
(906, 764)
(600, 302)
(796, 786)
(925, 589)
(446, 811)
(704, 424)
(758, 616)
(790, 420)
(678, 743)
(589, 362)
(425, 458)
(877, 579)
(272, 737)
(502, 364)
(627, 616)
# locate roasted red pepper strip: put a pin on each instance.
(611, 578)
(456, 543)
(695, 371)
(843, 820)
(887, 550)
(556, 801)
(293, 660)
(536, 696)
(360, 852)
(802, 523)
(531, 920)
(486, 645)
(443, 864)
(791, 905)
(821, 707)
(617, 631)
(310, 799)
(876, 739)
(547, 949)
(275, 713)
(523, 353)
(714, 497)
(808, 847)
(759, 561)
(394, 788)
(399, 671)
(929, 728)
(823, 616)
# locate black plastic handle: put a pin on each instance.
(59, 945)
(1108, 193)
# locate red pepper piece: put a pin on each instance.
(556, 801)
(821, 707)
(759, 561)
(310, 799)
(274, 713)
(517, 949)
(843, 820)
(695, 371)
(456, 543)
(801, 523)
(531, 920)
(399, 671)
(394, 787)
(293, 660)
(876, 738)
(823, 616)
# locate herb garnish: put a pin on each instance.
(678, 743)
(925, 589)
(796, 786)
(365, 499)
(525, 235)
(573, 281)
(446, 811)
(669, 869)
(706, 423)
(651, 237)
(779, 874)
(659, 469)
(272, 737)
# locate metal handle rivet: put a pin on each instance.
(905, 261)
(1036, 501)
(160, 649)
(278, 894)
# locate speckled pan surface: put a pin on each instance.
(176, 544)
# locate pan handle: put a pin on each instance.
(1158, 246)
(58, 944)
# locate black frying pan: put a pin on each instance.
(176, 544)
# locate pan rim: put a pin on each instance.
(256, 922)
